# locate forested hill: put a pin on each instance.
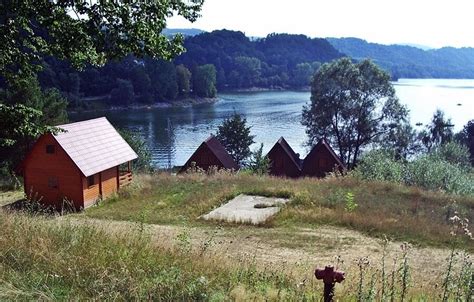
(411, 62)
(279, 60)
(213, 61)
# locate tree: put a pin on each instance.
(401, 141)
(143, 163)
(248, 70)
(438, 132)
(123, 94)
(352, 105)
(466, 137)
(141, 84)
(204, 81)
(86, 32)
(235, 136)
(183, 76)
(259, 163)
(302, 75)
(27, 92)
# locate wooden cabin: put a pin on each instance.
(283, 160)
(86, 162)
(209, 154)
(321, 160)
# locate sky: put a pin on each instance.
(435, 23)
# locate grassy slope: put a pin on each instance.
(56, 259)
(47, 260)
(402, 213)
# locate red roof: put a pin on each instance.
(94, 145)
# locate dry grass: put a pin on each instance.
(399, 212)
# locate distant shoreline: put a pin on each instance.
(178, 103)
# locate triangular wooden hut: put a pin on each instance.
(321, 160)
(283, 160)
(209, 154)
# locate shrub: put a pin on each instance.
(435, 174)
(380, 165)
(453, 153)
(444, 169)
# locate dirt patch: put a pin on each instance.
(247, 209)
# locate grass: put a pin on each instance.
(76, 257)
(400, 212)
(45, 260)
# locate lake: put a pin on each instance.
(273, 114)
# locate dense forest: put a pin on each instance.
(229, 60)
(217, 60)
(411, 62)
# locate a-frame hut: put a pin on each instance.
(321, 160)
(283, 160)
(210, 153)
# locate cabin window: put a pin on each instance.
(52, 182)
(50, 149)
(90, 181)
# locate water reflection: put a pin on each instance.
(271, 115)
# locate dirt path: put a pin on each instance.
(295, 250)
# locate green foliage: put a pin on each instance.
(259, 163)
(144, 161)
(351, 205)
(183, 76)
(466, 137)
(270, 62)
(438, 132)
(204, 81)
(86, 32)
(411, 62)
(441, 169)
(27, 91)
(235, 136)
(246, 73)
(352, 105)
(436, 174)
(454, 154)
(123, 94)
(380, 165)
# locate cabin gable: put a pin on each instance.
(50, 174)
(281, 164)
(204, 159)
(321, 161)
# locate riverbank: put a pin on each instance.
(177, 103)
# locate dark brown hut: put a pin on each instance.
(283, 160)
(86, 162)
(210, 154)
(321, 160)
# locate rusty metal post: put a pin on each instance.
(329, 277)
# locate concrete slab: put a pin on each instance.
(247, 209)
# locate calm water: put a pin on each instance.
(274, 114)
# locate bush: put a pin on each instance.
(444, 169)
(380, 165)
(433, 173)
(453, 153)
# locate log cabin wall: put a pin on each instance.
(51, 175)
(281, 164)
(102, 184)
(204, 159)
(319, 163)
